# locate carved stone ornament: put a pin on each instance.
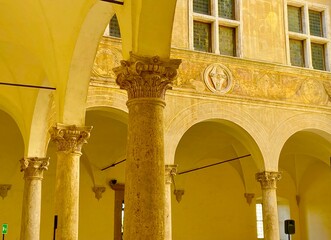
(179, 194)
(70, 138)
(146, 77)
(249, 197)
(170, 172)
(4, 188)
(98, 191)
(34, 167)
(268, 180)
(218, 78)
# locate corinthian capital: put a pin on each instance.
(268, 180)
(34, 167)
(170, 172)
(70, 138)
(146, 77)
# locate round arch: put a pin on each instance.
(316, 123)
(82, 61)
(241, 122)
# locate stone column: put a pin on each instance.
(170, 172)
(146, 81)
(268, 181)
(33, 169)
(69, 139)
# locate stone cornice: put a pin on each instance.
(33, 167)
(268, 180)
(70, 138)
(146, 77)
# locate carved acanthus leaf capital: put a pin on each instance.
(146, 77)
(170, 172)
(268, 180)
(34, 167)
(70, 138)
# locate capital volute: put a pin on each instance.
(268, 180)
(34, 167)
(170, 172)
(70, 138)
(146, 77)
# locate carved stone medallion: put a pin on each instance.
(218, 78)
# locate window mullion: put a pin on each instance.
(215, 33)
(307, 43)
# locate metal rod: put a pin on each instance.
(214, 164)
(113, 1)
(113, 165)
(25, 85)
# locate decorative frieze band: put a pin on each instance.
(268, 180)
(205, 73)
(34, 167)
(70, 138)
(146, 77)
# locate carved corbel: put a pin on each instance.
(179, 194)
(98, 191)
(249, 197)
(4, 188)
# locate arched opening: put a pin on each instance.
(305, 161)
(214, 197)
(11, 179)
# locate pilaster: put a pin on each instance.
(170, 172)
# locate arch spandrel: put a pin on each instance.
(152, 26)
(239, 123)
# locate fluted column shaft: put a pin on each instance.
(170, 172)
(146, 80)
(33, 169)
(69, 139)
(268, 181)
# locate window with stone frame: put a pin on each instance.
(308, 41)
(215, 26)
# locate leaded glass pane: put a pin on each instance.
(294, 19)
(227, 41)
(114, 28)
(201, 6)
(296, 53)
(315, 23)
(317, 54)
(226, 9)
(202, 36)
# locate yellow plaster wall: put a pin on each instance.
(11, 150)
(263, 31)
(213, 206)
(286, 192)
(315, 208)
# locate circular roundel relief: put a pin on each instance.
(218, 78)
